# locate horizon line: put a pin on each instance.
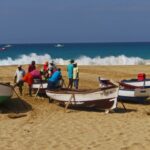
(76, 42)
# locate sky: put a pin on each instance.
(55, 21)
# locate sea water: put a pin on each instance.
(83, 53)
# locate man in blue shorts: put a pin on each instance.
(70, 73)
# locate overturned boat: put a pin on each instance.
(104, 98)
(6, 92)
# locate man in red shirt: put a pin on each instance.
(32, 66)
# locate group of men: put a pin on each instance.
(21, 76)
(49, 72)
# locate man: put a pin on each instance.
(32, 77)
(76, 76)
(31, 66)
(52, 67)
(70, 73)
(53, 81)
(18, 80)
(45, 66)
(29, 79)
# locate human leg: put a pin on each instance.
(20, 85)
(30, 90)
(70, 83)
(76, 83)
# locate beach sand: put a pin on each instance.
(46, 126)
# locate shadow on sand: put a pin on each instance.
(136, 102)
(15, 105)
(96, 109)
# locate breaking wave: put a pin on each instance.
(83, 60)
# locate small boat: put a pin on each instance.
(7, 46)
(6, 92)
(104, 98)
(134, 93)
(59, 45)
(2, 48)
(39, 85)
(136, 82)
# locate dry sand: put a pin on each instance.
(46, 126)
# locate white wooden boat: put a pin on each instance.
(41, 85)
(136, 82)
(6, 92)
(38, 84)
(130, 92)
(104, 98)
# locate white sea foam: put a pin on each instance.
(83, 60)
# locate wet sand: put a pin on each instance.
(46, 126)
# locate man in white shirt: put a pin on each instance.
(19, 78)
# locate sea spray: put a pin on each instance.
(82, 60)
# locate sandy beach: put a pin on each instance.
(46, 126)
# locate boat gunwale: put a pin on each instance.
(81, 101)
(134, 80)
(81, 91)
(6, 84)
(129, 86)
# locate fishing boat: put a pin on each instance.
(2, 48)
(39, 85)
(6, 92)
(133, 92)
(104, 98)
(59, 45)
(42, 84)
(8, 45)
(136, 82)
(136, 90)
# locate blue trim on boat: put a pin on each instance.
(134, 99)
(134, 80)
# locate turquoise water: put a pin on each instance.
(22, 53)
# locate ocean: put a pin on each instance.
(84, 53)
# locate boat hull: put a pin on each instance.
(103, 98)
(138, 94)
(5, 92)
(39, 85)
